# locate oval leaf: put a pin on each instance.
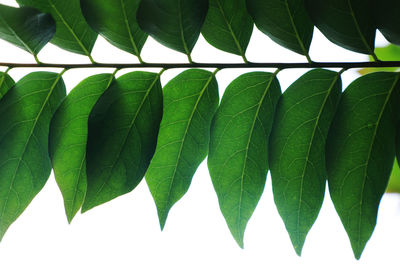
(68, 138)
(116, 22)
(6, 83)
(190, 101)
(26, 28)
(228, 26)
(360, 152)
(285, 22)
(347, 23)
(238, 156)
(174, 23)
(73, 33)
(25, 114)
(123, 131)
(387, 16)
(297, 150)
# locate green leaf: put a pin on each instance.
(388, 19)
(26, 28)
(361, 150)
(347, 23)
(190, 101)
(123, 129)
(285, 22)
(6, 83)
(25, 114)
(238, 156)
(228, 26)
(68, 138)
(73, 33)
(394, 180)
(116, 22)
(297, 150)
(174, 23)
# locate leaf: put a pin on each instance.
(6, 83)
(388, 19)
(360, 152)
(26, 28)
(25, 114)
(190, 101)
(285, 22)
(73, 33)
(174, 23)
(68, 138)
(116, 22)
(394, 180)
(346, 23)
(123, 129)
(228, 26)
(238, 156)
(297, 150)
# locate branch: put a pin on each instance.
(343, 65)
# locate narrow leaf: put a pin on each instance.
(347, 23)
(228, 26)
(26, 28)
(25, 114)
(73, 33)
(387, 16)
(68, 138)
(190, 101)
(297, 150)
(116, 22)
(285, 22)
(174, 23)
(361, 150)
(238, 156)
(6, 83)
(123, 129)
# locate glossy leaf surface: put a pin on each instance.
(25, 114)
(26, 28)
(6, 83)
(238, 156)
(297, 150)
(73, 33)
(387, 16)
(116, 22)
(123, 131)
(361, 150)
(174, 23)
(190, 101)
(347, 23)
(228, 26)
(285, 22)
(68, 139)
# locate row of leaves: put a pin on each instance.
(108, 133)
(226, 24)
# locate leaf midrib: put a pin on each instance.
(128, 28)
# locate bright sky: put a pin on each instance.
(125, 231)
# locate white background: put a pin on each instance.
(125, 231)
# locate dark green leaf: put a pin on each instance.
(6, 83)
(228, 26)
(387, 16)
(238, 156)
(347, 23)
(297, 150)
(73, 33)
(285, 22)
(25, 114)
(174, 23)
(190, 101)
(116, 22)
(68, 138)
(26, 28)
(361, 150)
(123, 131)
